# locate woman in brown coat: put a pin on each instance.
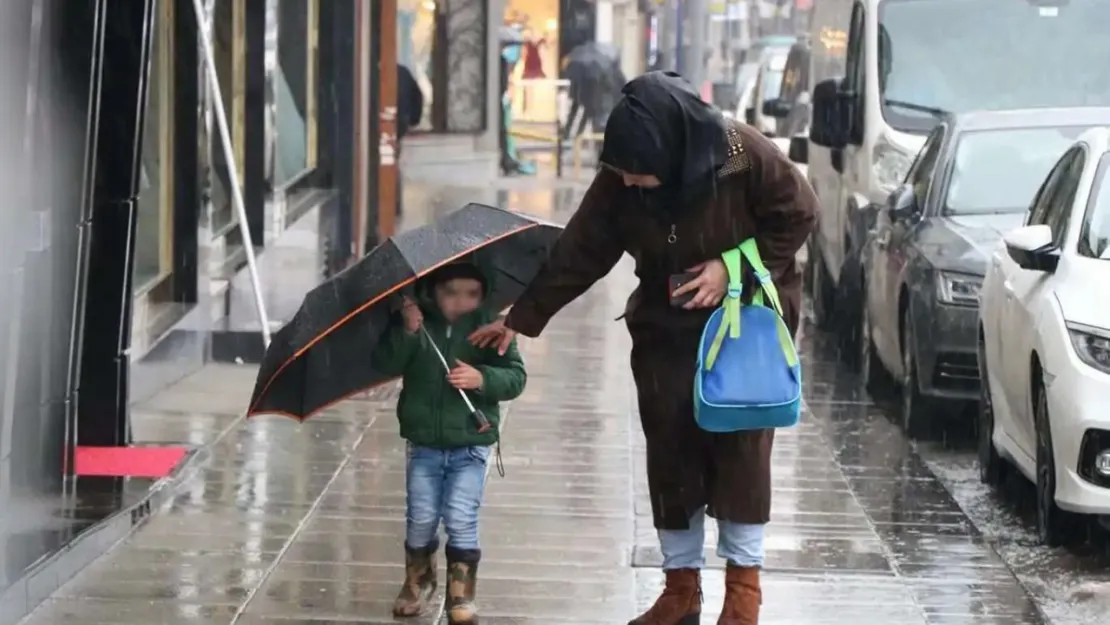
(679, 185)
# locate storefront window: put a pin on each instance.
(153, 235)
(293, 81)
(416, 28)
(228, 49)
(534, 95)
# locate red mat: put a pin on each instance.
(152, 462)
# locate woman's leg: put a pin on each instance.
(683, 557)
(741, 545)
(464, 487)
(684, 549)
(424, 474)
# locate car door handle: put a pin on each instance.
(1009, 288)
(882, 240)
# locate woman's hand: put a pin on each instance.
(493, 334)
(709, 286)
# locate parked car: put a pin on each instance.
(791, 107)
(885, 72)
(1044, 345)
(924, 259)
(766, 88)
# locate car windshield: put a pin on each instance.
(999, 171)
(962, 55)
(1094, 233)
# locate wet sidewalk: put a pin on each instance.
(281, 523)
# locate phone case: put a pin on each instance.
(674, 282)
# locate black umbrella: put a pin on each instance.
(323, 354)
(592, 62)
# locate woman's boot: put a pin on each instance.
(743, 596)
(462, 583)
(420, 581)
(680, 603)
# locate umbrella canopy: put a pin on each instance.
(323, 354)
(595, 75)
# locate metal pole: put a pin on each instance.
(696, 15)
(232, 170)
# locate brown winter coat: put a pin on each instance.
(759, 193)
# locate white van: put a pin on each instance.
(885, 71)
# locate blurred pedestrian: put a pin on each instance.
(678, 187)
(447, 453)
(410, 110)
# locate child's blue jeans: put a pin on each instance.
(444, 485)
(738, 543)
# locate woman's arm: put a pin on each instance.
(585, 252)
(783, 203)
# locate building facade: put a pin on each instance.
(122, 261)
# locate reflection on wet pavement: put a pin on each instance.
(284, 523)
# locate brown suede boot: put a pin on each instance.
(680, 602)
(420, 581)
(743, 596)
(462, 585)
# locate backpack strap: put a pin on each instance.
(730, 324)
(766, 286)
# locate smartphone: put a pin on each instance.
(676, 281)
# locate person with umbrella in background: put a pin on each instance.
(410, 109)
(595, 76)
(447, 449)
(678, 187)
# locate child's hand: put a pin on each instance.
(412, 315)
(465, 377)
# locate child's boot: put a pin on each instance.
(462, 583)
(420, 580)
(743, 596)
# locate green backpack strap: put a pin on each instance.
(766, 286)
(730, 324)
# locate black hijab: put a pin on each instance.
(663, 128)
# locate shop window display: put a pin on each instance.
(153, 236)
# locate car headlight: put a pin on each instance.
(958, 289)
(889, 166)
(1092, 345)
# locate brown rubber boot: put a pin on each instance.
(462, 585)
(680, 602)
(420, 581)
(743, 596)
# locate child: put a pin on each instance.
(447, 455)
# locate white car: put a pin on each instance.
(1044, 346)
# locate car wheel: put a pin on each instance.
(821, 291)
(876, 378)
(1055, 527)
(992, 468)
(917, 409)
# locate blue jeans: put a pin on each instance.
(738, 543)
(444, 485)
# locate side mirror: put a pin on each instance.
(1031, 248)
(777, 108)
(827, 127)
(903, 203)
(799, 149)
(749, 116)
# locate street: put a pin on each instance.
(286, 523)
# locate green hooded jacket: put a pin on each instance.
(431, 411)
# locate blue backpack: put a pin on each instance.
(748, 376)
